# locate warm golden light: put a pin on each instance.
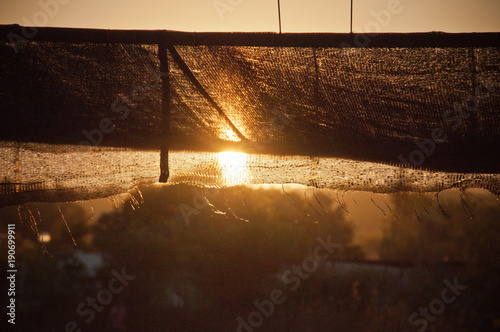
(230, 135)
(233, 167)
(44, 237)
(225, 15)
(232, 159)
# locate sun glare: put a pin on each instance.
(44, 237)
(230, 135)
(234, 167)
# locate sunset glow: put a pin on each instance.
(234, 167)
(258, 15)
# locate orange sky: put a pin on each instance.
(258, 15)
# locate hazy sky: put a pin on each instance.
(258, 15)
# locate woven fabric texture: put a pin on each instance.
(81, 121)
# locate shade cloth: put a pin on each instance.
(84, 119)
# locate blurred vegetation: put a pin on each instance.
(202, 274)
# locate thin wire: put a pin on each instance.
(279, 15)
(351, 13)
(67, 227)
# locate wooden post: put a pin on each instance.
(165, 110)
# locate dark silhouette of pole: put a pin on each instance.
(279, 14)
(165, 111)
(351, 14)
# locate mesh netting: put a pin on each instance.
(301, 109)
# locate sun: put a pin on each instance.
(230, 135)
(234, 167)
(232, 159)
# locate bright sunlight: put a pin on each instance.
(234, 167)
